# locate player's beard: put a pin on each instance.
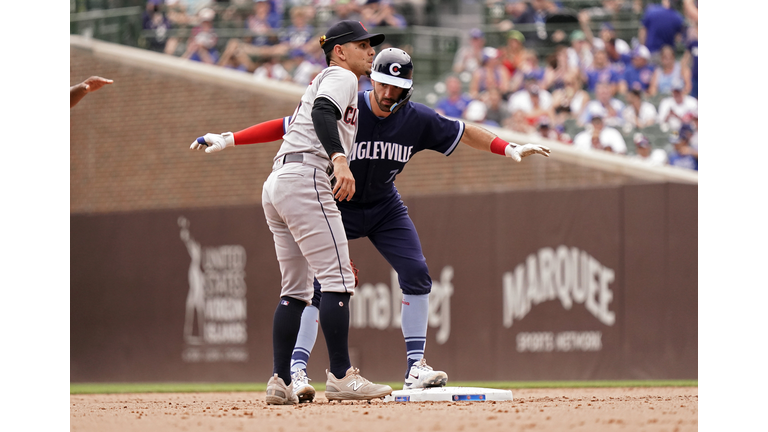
(378, 102)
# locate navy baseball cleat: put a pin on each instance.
(422, 375)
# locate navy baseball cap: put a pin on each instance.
(348, 31)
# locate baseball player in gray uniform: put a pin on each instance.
(309, 171)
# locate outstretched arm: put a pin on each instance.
(268, 131)
(482, 139)
(78, 91)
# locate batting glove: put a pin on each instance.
(213, 142)
(519, 152)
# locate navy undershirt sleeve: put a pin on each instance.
(324, 118)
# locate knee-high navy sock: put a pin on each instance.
(285, 328)
(334, 319)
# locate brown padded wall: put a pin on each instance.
(129, 287)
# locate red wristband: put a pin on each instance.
(498, 146)
(268, 131)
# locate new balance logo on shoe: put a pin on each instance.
(354, 385)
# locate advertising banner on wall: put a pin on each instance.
(528, 285)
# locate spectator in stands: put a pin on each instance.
(644, 152)
(469, 57)
(690, 62)
(639, 72)
(691, 11)
(78, 91)
(557, 70)
(455, 102)
(344, 10)
(306, 66)
(570, 101)
(530, 69)
(695, 126)
(604, 103)
(262, 24)
(155, 21)
(661, 25)
(668, 71)
(496, 108)
(545, 130)
(477, 112)
(272, 69)
(533, 101)
(491, 74)
(677, 109)
(638, 113)
(176, 10)
(599, 136)
(201, 45)
(614, 47)
(519, 123)
(381, 13)
(235, 57)
(601, 72)
(683, 155)
(513, 52)
(580, 52)
(299, 32)
(535, 12)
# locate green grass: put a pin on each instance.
(106, 388)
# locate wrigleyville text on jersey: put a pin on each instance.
(380, 150)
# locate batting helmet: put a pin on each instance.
(394, 67)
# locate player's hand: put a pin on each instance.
(345, 181)
(96, 82)
(519, 152)
(213, 142)
(355, 271)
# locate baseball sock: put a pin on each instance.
(414, 320)
(285, 328)
(306, 339)
(334, 319)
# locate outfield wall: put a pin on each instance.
(556, 284)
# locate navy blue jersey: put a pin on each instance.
(383, 146)
(376, 161)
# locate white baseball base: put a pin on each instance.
(449, 394)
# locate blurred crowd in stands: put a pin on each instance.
(593, 90)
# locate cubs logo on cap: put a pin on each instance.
(394, 67)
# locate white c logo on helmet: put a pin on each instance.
(394, 69)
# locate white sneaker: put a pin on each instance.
(280, 394)
(301, 387)
(422, 375)
(353, 387)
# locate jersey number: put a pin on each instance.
(394, 173)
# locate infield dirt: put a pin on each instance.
(673, 409)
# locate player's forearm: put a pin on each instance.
(324, 118)
(268, 131)
(478, 138)
(76, 93)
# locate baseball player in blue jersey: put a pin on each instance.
(391, 129)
